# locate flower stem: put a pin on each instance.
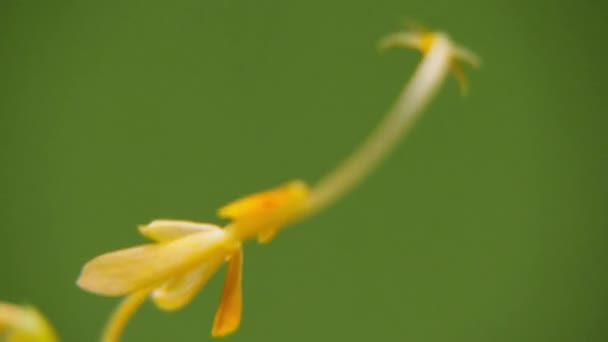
(122, 314)
(423, 85)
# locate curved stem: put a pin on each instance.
(122, 314)
(424, 84)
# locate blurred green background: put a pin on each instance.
(488, 223)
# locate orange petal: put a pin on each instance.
(228, 314)
(167, 230)
(178, 292)
(127, 270)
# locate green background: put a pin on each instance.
(488, 223)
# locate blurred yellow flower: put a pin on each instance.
(24, 324)
(186, 254)
(423, 40)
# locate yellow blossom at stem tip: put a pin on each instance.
(422, 40)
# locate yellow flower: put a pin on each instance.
(24, 324)
(186, 254)
(423, 40)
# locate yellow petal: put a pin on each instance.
(268, 234)
(457, 71)
(262, 203)
(228, 314)
(167, 230)
(418, 40)
(463, 56)
(127, 270)
(9, 314)
(25, 324)
(256, 213)
(177, 292)
(466, 56)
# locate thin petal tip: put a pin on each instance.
(92, 281)
(225, 329)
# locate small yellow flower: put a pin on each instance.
(186, 254)
(423, 40)
(24, 324)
